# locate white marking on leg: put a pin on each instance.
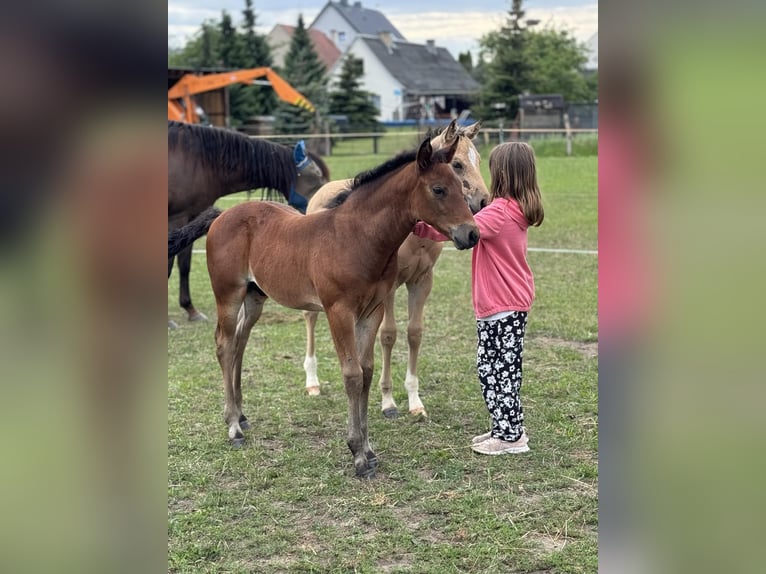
(233, 430)
(412, 384)
(312, 381)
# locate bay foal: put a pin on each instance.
(342, 261)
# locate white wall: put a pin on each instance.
(331, 20)
(376, 80)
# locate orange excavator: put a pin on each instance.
(182, 108)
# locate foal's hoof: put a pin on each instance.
(419, 414)
(313, 391)
(372, 459)
(197, 316)
(366, 473)
(237, 442)
(244, 424)
(391, 413)
(172, 325)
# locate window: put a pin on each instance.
(341, 37)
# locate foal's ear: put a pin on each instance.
(450, 132)
(425, 151)
(450, 151)
(471, 131)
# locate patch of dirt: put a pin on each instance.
(588, 350)
(546, 543)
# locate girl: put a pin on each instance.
(503, 290)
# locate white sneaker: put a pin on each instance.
(481, 438)
(493, 446)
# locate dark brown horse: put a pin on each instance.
(342, 261)
(206, 163)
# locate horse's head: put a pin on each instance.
(466, 162)
(310, 177)
(439, 198)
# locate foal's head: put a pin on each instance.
(438, 199)
(466, 161)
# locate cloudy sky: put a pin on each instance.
(454, 24)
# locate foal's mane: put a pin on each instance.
(261, 163)
(390, 166)
(371, 175)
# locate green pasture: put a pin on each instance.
(288, 501)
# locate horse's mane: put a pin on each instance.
(383, 169)
(434, 131)
(259, 162)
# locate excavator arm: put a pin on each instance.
(191, 84)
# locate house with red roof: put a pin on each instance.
(279, 39)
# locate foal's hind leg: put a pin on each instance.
(248, 315)
(387, 341)
(310, 362)
(418, 293)
(226, 346)
(184, 298)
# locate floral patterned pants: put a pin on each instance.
(498, 361)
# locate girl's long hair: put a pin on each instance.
(514, 175)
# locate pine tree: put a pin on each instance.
(255, 54)
(348, 99)
(509, 71)
(466, 61)
(306, 73)
(229, 43)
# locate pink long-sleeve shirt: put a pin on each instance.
(501, 279)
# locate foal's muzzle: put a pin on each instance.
(465, 236)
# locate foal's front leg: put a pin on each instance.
(342, 328)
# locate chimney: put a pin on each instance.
(431, 47)
(388, 40)
(357, 4)
(344, 2)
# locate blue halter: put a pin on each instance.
(302, 161)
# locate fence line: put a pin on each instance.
(354, 135)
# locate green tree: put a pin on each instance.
(229, 47)
(201, 51)
(466, 61)
(509, 69)
(255, 54)
(517, 60)
(307, 74)
(350, 100)
(558, 66)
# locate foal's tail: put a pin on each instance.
(179, 239)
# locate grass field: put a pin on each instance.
(288, 501)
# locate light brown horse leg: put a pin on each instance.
(342, 328)
(310, 362)
(248, 315)
(418, 293)
(387, 342)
